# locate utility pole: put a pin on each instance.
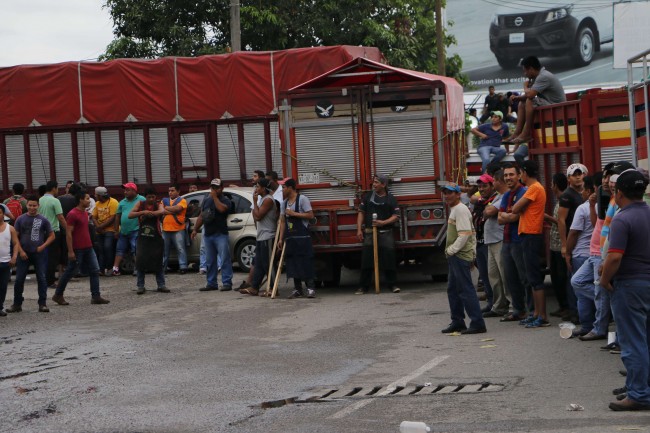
(440, 43)
(235, 30)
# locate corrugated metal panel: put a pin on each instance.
(87, 151)
(327, 150)
(334, 193)
(404, 148)
(40, 156)
(563, 162)
(193, 154)
(613, 154)
(135, 165)
(255, 148)
(276, 149)
(16, 159)
(63, 156)
(542, 169)
(227, 141)
(159, 148)
(111, 157)
(412, 188)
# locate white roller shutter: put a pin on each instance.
(135, 165)
(193, 154)
(276, 149)
(159, 148)
(63, 156)
(40, 157)
(404, 148)
(16, 159)
(255, 147)
(111, 157)
(326, 150)
(227, 141)
(87, 151)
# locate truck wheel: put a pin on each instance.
(335, 278)
(507, 62)
(244, 254)
(127, 265)
(584, 47)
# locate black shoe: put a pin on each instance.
(14, 309)
(163, 289)
(454, 327)
(618, 391)
(473, 331)
(491, 313)
(98, 300)
(226, 288)
(2, 313)
(140, 291)
(208, 288)
(609, 347)
(622, 372)
(621, 396)
(43, 309)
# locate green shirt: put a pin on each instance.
(50, 206)
(460, 221)
(128, 225)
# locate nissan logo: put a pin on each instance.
(519, 21)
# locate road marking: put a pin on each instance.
(584, 72)
(390, 388)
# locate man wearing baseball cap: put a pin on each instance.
(126, 229)
(626, 274)
(460, 250)
(487, 195)
(491, 135)
(103, 216)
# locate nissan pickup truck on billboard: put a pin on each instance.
(573, 39)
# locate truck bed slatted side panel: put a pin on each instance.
(404, 148)
(63, 155)
(253, 145)
(276, 149)
(135, 165)
(612, 154)
(193, 154)
(228, 142)
(87, 151)
(159, 148)
(333, 193)
(40, 157)
(111, 157)
(412, 188)
(16, 159)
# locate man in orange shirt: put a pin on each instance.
(173, 226)
(531, 224)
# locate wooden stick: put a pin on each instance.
(277, 275)
(375, 251)
(275, 245)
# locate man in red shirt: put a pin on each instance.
(80, 251)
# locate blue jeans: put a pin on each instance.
(160, 278)
(126, 242)
(485, 151)
(177, 239)
(462, 294)
(39, 261)
(86, 259)
(631, 307)
(516, 282)
(5, 274)
(520, 154)
(105, 249)
(582, 282)
(202, 261)
(216, 247)
(482, 265)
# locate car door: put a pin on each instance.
(239, 219)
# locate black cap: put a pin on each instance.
(617, 167)
(631, 182)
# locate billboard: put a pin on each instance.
(573, 39)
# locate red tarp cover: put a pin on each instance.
(366, 71)
(207, 87)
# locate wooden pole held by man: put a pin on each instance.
(375, 251)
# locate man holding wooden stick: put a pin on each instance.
(380, 202)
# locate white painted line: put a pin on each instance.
(584, 72)
(390, 388)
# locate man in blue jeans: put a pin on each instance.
(460, 250)
(491, 135)
(214, 217)
(626, 274)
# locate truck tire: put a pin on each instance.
(584, 47)
(335, 278)
(244, 254)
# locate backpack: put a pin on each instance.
(14, 206)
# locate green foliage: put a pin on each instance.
(404, 30)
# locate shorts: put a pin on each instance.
(540, 102)
(126, 242)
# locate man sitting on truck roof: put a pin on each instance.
(491, 135)
(541, 88)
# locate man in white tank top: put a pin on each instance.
(7, 260)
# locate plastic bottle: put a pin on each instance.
(413, 427)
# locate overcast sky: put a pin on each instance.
(51, 31)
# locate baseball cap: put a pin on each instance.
(496, 113)
(617, 167)
(575, 167)
(631, 181)
(215, 182)
(282, 181)
(130, 185)
(452, 187)
(486, 178)
(101, 191)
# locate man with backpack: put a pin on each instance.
(16, 204)
(173, 227)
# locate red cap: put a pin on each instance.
(281, 182)
(131, 185)
(486, 178)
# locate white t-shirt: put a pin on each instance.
(303, 206)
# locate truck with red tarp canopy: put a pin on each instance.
(174, 119)
(365, 118)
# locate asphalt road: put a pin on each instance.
(193, 361)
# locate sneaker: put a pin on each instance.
(227, 288)
(43, 309)
(203, 271)
(108, 272)
(208, 288)
(527, 320)
(609, 347)
(579, 332)
(116, 272)
(14, 309)
(361, 291)
(470, 331)
(295, 294)
(98, 300)
(140, 291)
(396, 289)
(2, 313)
(616, 350)
(163, 289)
(59, 300)
(538, 323)
(311, 293)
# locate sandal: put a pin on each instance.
(510, 318)
(248, 291)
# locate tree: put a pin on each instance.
(404, 30)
